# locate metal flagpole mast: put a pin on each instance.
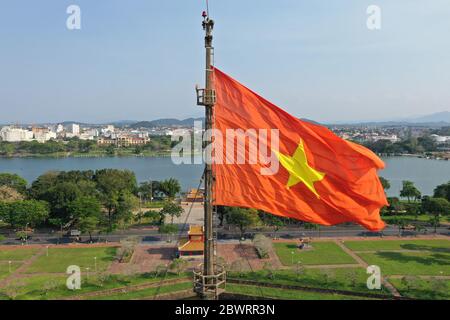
(209, 282)
(209, 101)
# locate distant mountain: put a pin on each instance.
(166, 123)
(391, 124)
(124, 122)
(434, 120)
(443, 116)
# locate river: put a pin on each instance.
(425, 173)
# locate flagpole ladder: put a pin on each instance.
(209, 280)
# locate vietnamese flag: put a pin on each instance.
(321, 178)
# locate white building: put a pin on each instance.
(59, 128)
(12, 134)
(44, 136)
(73, 129)
(391, 137)
(440, 139)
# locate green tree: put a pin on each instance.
(126, 203)
(272, 221)
(42, 184)
(443, 191)
(154, 217)
(242, 218)
(23, 213)
(170, 187)
(437, 207)
(7, 148)
(110, 180)
(395, 205)
(86, 213)
(409, 191)
(116, 188)
(385, 183)
(13, 181)
(146, 190)
(171, 209)
(59, 197)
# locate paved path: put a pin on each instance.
(364, 264)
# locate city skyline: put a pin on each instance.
(120, 65)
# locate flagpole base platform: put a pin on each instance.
(210, 287)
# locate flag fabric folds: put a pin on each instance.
(321, 178)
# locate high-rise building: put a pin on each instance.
(73, 129)
(12, 134)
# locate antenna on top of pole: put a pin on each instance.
(207, 8)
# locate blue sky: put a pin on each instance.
(140, 59)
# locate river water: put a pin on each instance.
(425, 173)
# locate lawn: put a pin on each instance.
(60, 258)
(321, 253)
(17, 254)
(33, 287)
(4, 268)
(430, 289)
(347, 279)
(286, 294)
(146, 293)
(408, 218)
(420, 245)
(409, 263)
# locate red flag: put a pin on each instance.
(321, 178)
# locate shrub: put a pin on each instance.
(168, 229)
(263, 246)
(178, 265)
(126, 250)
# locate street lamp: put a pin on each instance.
(61, 235)
(26, 233)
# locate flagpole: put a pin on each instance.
(209, 100)
(209, 282)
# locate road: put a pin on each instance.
(151, 235)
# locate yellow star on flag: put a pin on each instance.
(299, 169)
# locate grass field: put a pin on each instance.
(44, 278)
(422, 245)
(34, 287)
(146, 293)
(60, 258)
(4, 268)
(17, 254)
(346, 279)
(321, 253)
(405, 257)
(408, 218)
(409, 263)
(423, 288)
(285, 294)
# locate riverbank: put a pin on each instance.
(426, 174)
(57, 155)
(162, 154)
(434, 156)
